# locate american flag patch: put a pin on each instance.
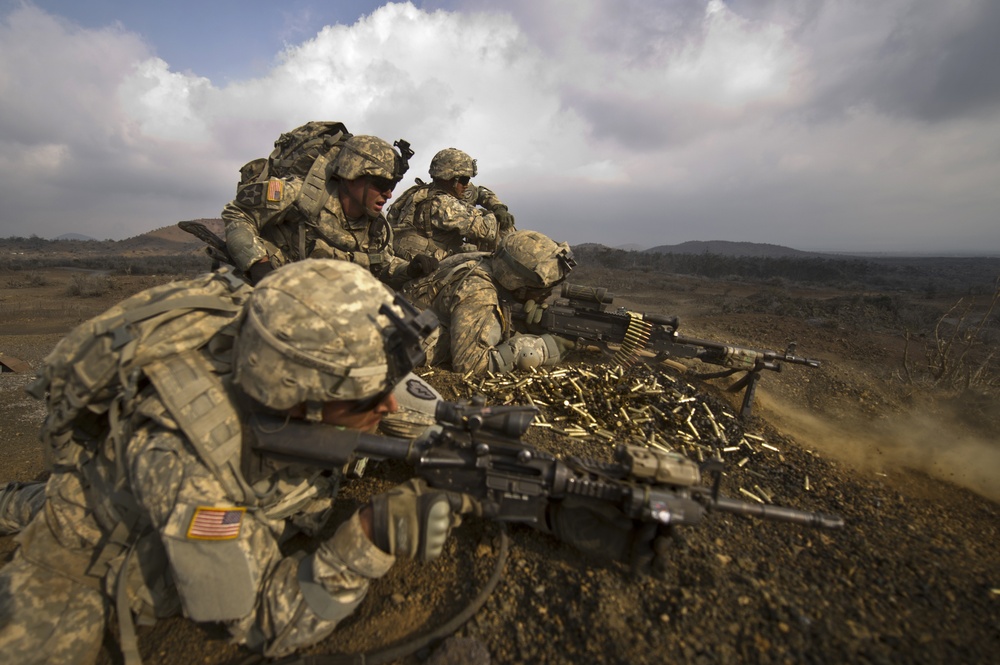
(274, 189)
(215, 523)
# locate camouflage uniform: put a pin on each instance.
(19, 502)
(289, 219)
(154, 513)
(430, 219)
(467, 293)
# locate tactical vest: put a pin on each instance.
(401, 213)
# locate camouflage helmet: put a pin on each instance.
(529, 259)
(315, 331)
(452, 163)
(368, 155)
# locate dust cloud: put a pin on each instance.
(933, 441)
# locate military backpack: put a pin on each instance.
(296, 151)
(91, 379)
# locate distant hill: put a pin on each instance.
(728, 248)
(169, 239)
(73, 236)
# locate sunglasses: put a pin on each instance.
(382, 184)
(463, 179)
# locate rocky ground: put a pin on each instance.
(913, 576)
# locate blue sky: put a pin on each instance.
(224, 40)
(839, 125)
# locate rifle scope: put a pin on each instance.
(511, 421)
(598, 295)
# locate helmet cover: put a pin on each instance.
(367, 155)
(529, 259)
(452, 163)
(313, 332)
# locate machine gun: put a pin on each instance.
(585, 314)
(477, 450)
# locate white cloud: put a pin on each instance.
(165, 105)
(618, 122)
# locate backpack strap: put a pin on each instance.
(198, 400)
(313, 195)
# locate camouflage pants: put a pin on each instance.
(48, 618)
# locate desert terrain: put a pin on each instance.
(910, 462)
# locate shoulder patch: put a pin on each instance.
(251, 195)
(275, 188)
(215, 523)
(419, 390)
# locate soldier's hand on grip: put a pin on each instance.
(421, 265)
(565, 344)
(413, 520)
(259, 270)
(533, 312)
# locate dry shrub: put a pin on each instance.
(89, 286)
(26, 280)
(961, 353)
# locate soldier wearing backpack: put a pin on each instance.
(468, 292)
(155, 505)
(333, 211)
(450, 215)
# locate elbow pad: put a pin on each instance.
(526, 352)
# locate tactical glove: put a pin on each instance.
(604, 531)
(533, 312)
(413, 520)
(259, 270)
(504, 218)
(556, 348)
(421, 265)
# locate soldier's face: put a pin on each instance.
(368, 194)
(458, 186)
(344, 413)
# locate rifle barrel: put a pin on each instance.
(777, 513)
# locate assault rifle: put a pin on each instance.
(584, 313)
(215, 246)
(477, 450)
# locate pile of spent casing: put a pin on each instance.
(607, 405)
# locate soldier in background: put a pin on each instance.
(155, 512)
(451, 214)
(335, 211)
(467, 293)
